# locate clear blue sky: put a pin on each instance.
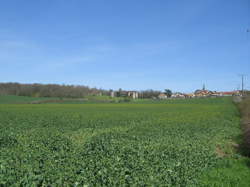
(132, 44)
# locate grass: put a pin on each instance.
(234, 167)
(12, 99)
(229, 172)
(245, 113)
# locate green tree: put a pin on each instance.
(168, 92)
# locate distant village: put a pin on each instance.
(196, 94)
(80, 91)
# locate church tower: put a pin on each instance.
(203, 88)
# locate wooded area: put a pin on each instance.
(66, 91)
(49, 90)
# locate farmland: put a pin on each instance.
(12, 99)
(180, 143)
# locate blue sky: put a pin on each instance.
(132, 44)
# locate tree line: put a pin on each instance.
(49, 90)
(62, 91)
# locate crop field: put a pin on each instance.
(134, 144)
(12, 99)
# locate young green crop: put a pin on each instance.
(168, 144)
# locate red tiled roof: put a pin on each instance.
(228, 93)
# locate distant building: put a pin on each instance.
(190, 95)
(112, 94)
(203, 92)
(123, 93)
(162, 96)
(232, 93)
(133, 94)
(203, 87)
(178, 95)
(215, 94)
(207, 93)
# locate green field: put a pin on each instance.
(176, 143)
(13, 99)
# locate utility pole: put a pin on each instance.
(242, 83)
(242, 77)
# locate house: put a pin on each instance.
(231, 93)
(112, 94)
(162, 96)
(133, 94)
(178, 95)
(190, 95)
(123, 93)
(215, 94)
(203, 93)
